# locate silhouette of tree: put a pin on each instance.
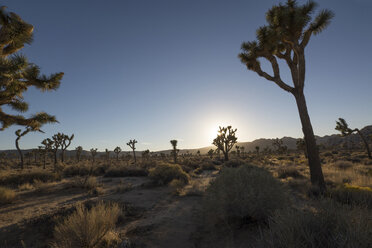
(19, 135)
(175, 151)
(343, 127)
(288, 32)
(225, 140)
(93, 153)
(146, 155)
(117, 151)
(45, 149)
(301, 146)
(78, 151)
(132, 145)
(65, 142)
(17, 74)
(107, 155)
(210, 153)
(257, 150)
(57, 142)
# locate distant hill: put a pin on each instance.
(325, 141)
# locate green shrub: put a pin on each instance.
(87, 228)
(247, 193)
(164, 173)
(123, 171)
(332, 225)
(352, 195)
(6, 195)
(23, 177)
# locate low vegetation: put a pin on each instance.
(6, 195)
(164, 173)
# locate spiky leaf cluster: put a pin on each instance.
(343, 127)
(17, 74)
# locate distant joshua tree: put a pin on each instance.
(237, 150)
(343, 127)
(257, 150)
(19, 135)
(288, 32)
(107, 155)
(210, 153)
(225, 140)
(301, 146)
(78, 151)
(117, 151)
(175, 151)
(93, 153)
(132, 145)
(57, 141)
(280, 148)
(146, 155)
(65, 142)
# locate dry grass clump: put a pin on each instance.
(164, 173)
(233, 163)
(123, 187)
(26, 186)
(28, 176)
(288, 171)
(88, 228)
(352, 195)
(245, 194)
(331, 225)
(88, 183)
(6, 195)
(123, 171)
(343, 164)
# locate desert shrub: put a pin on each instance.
(29, 177)
(177, 186)
(76, 170)
(191, 163)
(164, 173)
(26, 186)
(123, 187)
(332, 225)
(122, 171)
(342, 164)
(327, 154)
(353, 195)
(87, 228)
(288, 171)
(6, 195)
(233, 163)
(247, 193)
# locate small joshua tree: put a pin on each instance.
(175, 151)
(117, 151)
(65, 142)
(225, 140)
(57, 141)
(278, 143)
(107, 155)
(19, 135)
(343, 127)
(146, 155)
(132, 145)
(301, 146)
(237, 150)
(78, 151)
(257, 150)
(93, 153)
(210, 153)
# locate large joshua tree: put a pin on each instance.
(17, 74)
(290, 27)
(132, 145)
(343, 127)
(225, 140)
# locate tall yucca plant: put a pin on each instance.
(289, 29)
(17, 74)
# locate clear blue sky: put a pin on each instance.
(162, 70)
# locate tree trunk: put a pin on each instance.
(365, 143)
(63, 156)
(55, 157)
(19, 151)
(316, 174)
(44, 161)
(134, 155)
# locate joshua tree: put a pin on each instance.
(210, 153)
(288, 32)
(45, 149)
(146, 154)
(175, 151)
(78, 151)
(278, 143)
(225, 140)
(65, 142)
(132, 145)
(17, 74)
(117, 150)
(19, 135)
(343, 127)
(57, 141)
(237, 150)
(93, 153)
(301, 146)
(107, 155)
(257, 150)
